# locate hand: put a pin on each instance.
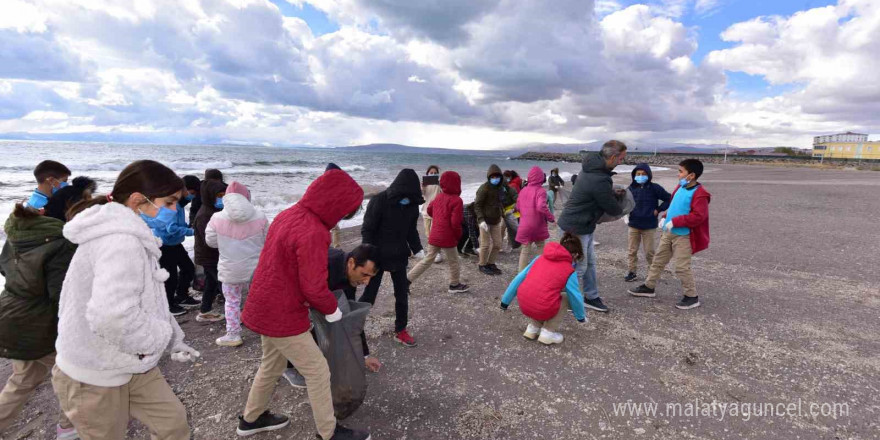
(181, 352)
(420, 254)
(484, 226)
(504, 307)
(668, 226)
(335, 316)
(372, 364)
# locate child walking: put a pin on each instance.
(538, 290)
(534, 216)
(446, 210)
(239, 232)
(685, 232)
(651, 199)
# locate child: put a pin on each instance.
(113, 320)
(470, 234)
(555, 184)
(239, 232)
(685, 232)
(51, 176)
(213, 191)
(643, 218)
(447, 213)
(538, 288)
(489, 209)
(175, 259)
(428, 193)
(534, 215)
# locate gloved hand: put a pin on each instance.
(504, 307)
(335, 316)
(484, 226)
(420, 254)
(668, 225)
(181, 352)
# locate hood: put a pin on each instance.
(644, 167)
(28, 232)
(238, 188)
(210, 188)
(493, 169)
(554, 170)
(192, 182)
(450, 183)
(554, 251)
(593, 163)
(332, 196)
(107, 219)
(237, 207)
(332, 166)
(406, 184)
(213, 174)
(536, 176)
(66, 197)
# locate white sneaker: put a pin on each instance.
(531, 332)
(229, 340)
(595, 243)
(65, 434)
(438, 258)
(549, 338)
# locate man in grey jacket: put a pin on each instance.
(592, 196)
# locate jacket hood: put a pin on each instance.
(554, 251)
(450, 183)
(593, 163)
(213, 174)
(192, 182)
(493, 169)
(238, 208)
(210, 188)
(536, 176)
(406, 184)
(108, 219)
(21, 230)
(238, 188)
(332, 196)
(554, 170)
(644, 167)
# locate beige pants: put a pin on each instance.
(677, 247)
(525, 253)
(305, 355)
(491, 240)
(553, 324)
(102, 413)
(26, 377)
(451, 260)
(645, 238)
(336, 237)
(428, 222)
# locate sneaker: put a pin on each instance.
(458, 288)
(229, 340)
(438, 258)
(188, 302)
(266, 422)
(549, 338)
(176, 310)
(487, 270)
(630, 277)
(531, 332)
(65, 434)
(642, 291)
(293, 377)
(595, 243)
(471, 252)
(404, 338)
(495, 269)
(688, 302)
(343, 433)
(596, 304)
(209, 317)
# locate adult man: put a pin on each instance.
(592, 196)
(290, 278)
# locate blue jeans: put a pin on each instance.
(586, 268)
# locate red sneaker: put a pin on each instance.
(404, 338)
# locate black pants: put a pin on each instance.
(181, 272)
(212, 288)
(401, 296)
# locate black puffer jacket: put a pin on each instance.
(391, 226)
(592, 196)
(34, 261)
(206, 255)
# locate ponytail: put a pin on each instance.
(572, 243)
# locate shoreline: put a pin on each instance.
(717, 159)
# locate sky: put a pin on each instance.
(471, 74)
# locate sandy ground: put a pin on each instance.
(789, 315)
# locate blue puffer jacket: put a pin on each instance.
(176, 232)
(647, 197)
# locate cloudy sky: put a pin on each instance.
(439, 73)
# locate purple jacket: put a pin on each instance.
(532, 207)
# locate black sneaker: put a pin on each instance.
(458, 288)
(176, 310)
(688, 302)
(487, 270)
(642, 291)
(343, 433)
(495, 269)
(266, 422)
(188, 303)
(596, 304)
(630, 277)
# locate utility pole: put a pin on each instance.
(726, 147)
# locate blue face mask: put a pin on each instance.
(189, 197)
(683, 182)
(219, 204)
(495, 180)
(61, 185)
(38, 200)
(162, 219)
(404, 201)
(641, 180)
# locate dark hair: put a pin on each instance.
(50, 168)
(432, 167)
(692, 166)
(573, 245)
(148, 177)
(192, 183)
(80, 189)
(213, 173)
(612, 148)
(364, 253)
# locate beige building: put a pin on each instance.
(845, 146)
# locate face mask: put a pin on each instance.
(404, 201)
(641, 180)
(683, 182)
(61, 185)
(495, 180)
(189, 197)
(219, 204)
(432, 174)
(38, 200)
(162, 219)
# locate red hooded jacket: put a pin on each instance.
(539, 294)
(292, 273)
(447, 210)
(697, 220)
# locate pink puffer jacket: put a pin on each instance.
(532, 206)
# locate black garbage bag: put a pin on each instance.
(341, 344)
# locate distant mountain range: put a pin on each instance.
(636, 146)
